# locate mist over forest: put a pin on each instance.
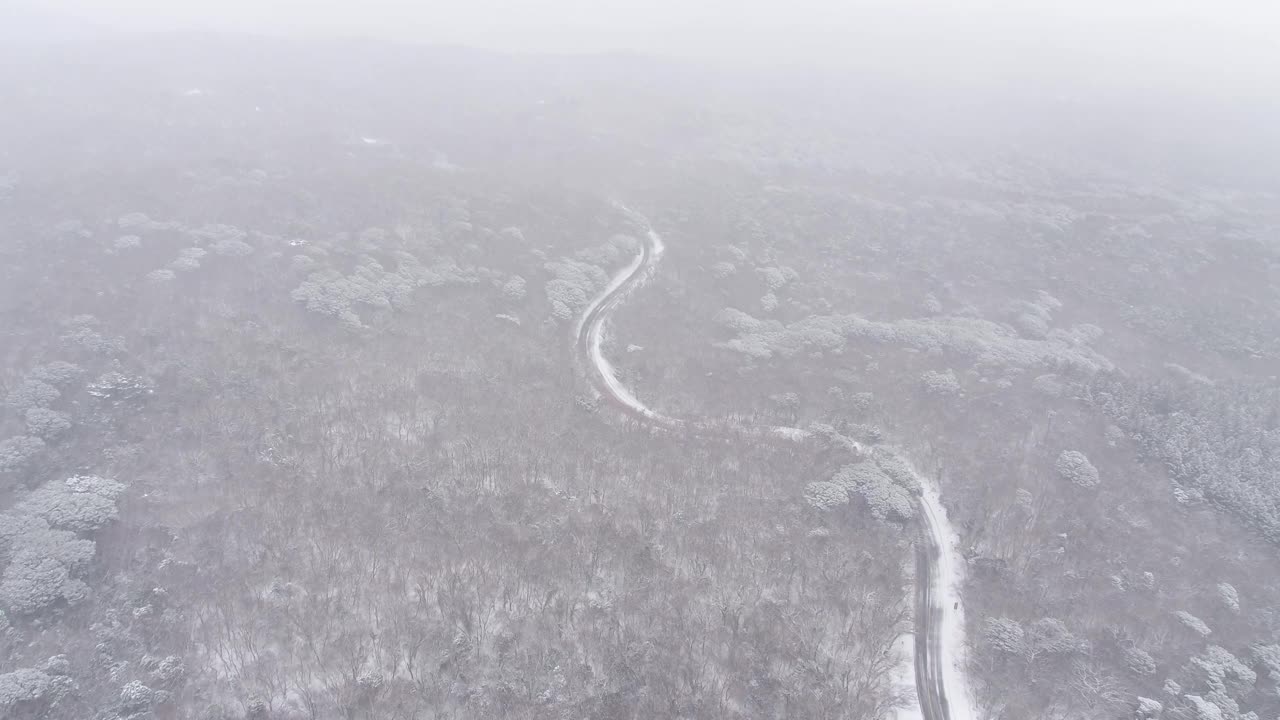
(622, 367)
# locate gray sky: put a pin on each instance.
(1201, 42)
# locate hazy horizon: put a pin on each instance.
(1225, 47)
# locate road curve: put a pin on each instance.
(589, 334)
(937, 628)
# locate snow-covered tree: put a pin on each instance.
(1229, 597)
(46, 424)
(1204, 709)
(1148, 709)
(1114, 435)
(57, 373)
(1050, 636)
(885, 498)
(602, 255)
(987, 342)
(940, 383)
(1073, 465)
(1217, 705)
(1218, 667)
(1139, 661)
(737, 320)
(560, 311)
(723, 269)
(1192, 622)
(27, 691)
(116, 386)
(825, 495)
(572, 286)
(897, 468)
(1049, 385)
(167, 672)
(514, 289)
(1032, 325)
(32, 393)
(81, 504)
(188, 259)
(18, 453)
(43, 564)
(776, 277)
(82, 331)
(46, 555)
(136, 697)
(1005, 635)
(232, 247)
(834, 438)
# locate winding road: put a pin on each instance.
(939, 629)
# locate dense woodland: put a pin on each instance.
(292, 425)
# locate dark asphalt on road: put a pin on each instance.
(928, 645)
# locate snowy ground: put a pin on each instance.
(950, 565)
(904, 679)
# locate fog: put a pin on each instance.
(1199, 44)
(862, 360)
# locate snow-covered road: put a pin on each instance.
(939, 623)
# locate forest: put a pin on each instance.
(293, 424)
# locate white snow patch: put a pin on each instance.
(655, 242)
(790, 433)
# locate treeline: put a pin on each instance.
(1219, 441)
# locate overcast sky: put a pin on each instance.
(1206, 42)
